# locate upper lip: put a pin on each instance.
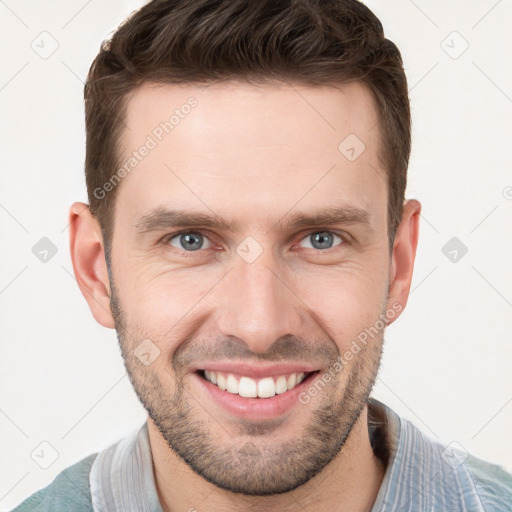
(257, 371)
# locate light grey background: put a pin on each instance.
(448, 359)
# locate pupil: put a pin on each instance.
(191, 242)
(324, 240)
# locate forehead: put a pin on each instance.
(234, 147)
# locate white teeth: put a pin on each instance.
(281, 386)
(221, 381)
(232, 384)
(248, 388)
(251, 388)
(266, 387)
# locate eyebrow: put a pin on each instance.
(161, 219)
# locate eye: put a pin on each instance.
(189, 241)
(322, 239)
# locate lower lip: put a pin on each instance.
(256, 408)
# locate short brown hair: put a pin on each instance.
(312, 42)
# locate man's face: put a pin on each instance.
(260, 296)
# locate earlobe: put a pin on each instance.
(88, 257)
(404, 254)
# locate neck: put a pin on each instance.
(350, 482)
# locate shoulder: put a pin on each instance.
(69, 491)
(425, 474)
(459, 479)
(492, 484)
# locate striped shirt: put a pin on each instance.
(421, 475)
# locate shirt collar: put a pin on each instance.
(122, 478)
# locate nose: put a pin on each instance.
(257, 304)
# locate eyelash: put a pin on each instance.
(167, 238)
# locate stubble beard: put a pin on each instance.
(252, 465)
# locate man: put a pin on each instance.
(248, 238)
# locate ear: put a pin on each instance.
(89, 264)
(402, 259)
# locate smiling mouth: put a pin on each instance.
(248, 387)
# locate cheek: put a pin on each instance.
(161, 302)
(344, 302)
